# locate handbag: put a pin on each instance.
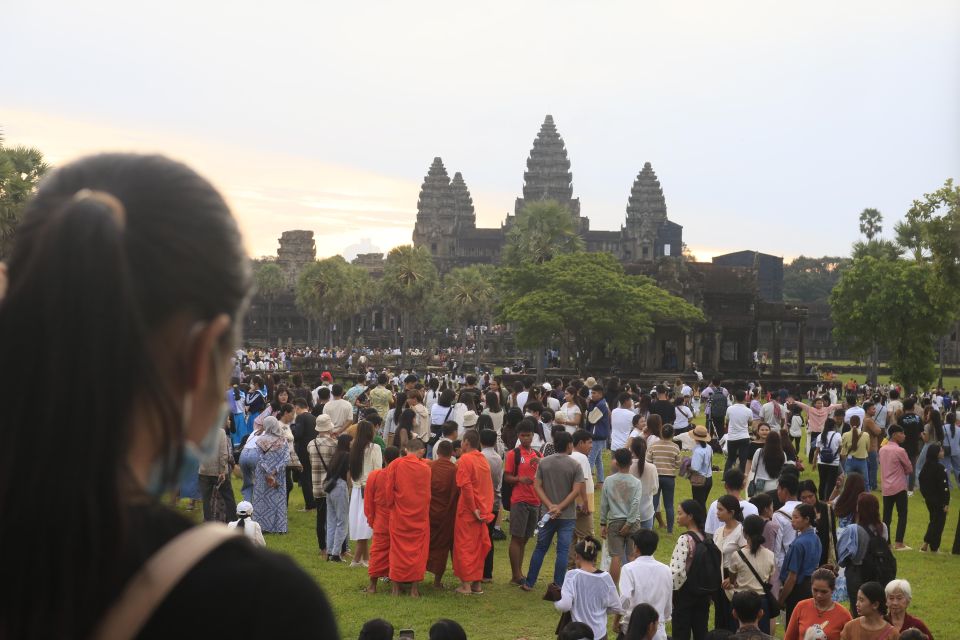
(553, 592)
(772, 603)
(697, 479)
(565, 618)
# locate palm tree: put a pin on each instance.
(541, 231)
(270, 284)
(20, 170)
(469, 294)
(871, 223)
(320, 292)
(409, 277)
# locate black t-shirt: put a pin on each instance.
(912, 428)
(304, 429)
(665, 409)
(236, 591)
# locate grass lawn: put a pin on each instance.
(505, 612)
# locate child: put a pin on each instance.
(250, 529)
(796, 424)
(620, 511)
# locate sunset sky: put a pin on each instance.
(770, 125)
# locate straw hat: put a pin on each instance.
(700, 434)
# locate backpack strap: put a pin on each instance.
(157, 578)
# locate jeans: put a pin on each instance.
(337, 510)
(596, 458)
(900, 501)
(952, 464)
(645, 524)
(872, 468)
(828, 479)
(667, 486)
(690, 615)
(564, 532)
(737, 451)
(912, 478)
(856, 465)
(207, 486)
(248, 465)
(938, 519)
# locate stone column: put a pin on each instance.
(717, 340)
(801, 347)
(776, 347)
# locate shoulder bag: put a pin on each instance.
(772, 602)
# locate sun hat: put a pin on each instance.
(470, 419)
(700, 434)
(324, 423)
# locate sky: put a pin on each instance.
(771, 125)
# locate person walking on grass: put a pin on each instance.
(519, 470)
(895, 467)
(620, 511)
(645, 580)
(936, 494)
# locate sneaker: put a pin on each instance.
(355, 564)
(334, 559)
(902, 548)
(909, 494)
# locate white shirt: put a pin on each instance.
(251, 441)
(587, 475)
(855, 411)
(713, 523)
(553, 403)
(621, 422)
(590, 598)
(522, 398)
(786, 534)
(770, 413)
(682, 415)
(739, 416)
(251, 530)
(646, 580)
(686, 391)
(340, 412)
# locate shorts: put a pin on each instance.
(618, 545)
(523, 519)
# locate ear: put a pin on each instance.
(202, 342)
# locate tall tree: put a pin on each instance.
(469, 295)
(871, 223)
(588, 299)
(270, 284)
(541, 231)
(808, 279)
(320, 293)
(20, 170)
(409, 277)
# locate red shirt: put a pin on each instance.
(529, 459)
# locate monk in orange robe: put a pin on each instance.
(377, 510)
(407, 490)
(471, 541)
(443, 510)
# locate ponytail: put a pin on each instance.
(241, 520)
(854, 432)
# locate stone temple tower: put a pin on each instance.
(297, 250)
(464, 215)
(646, 216)
(436, 224)
(548, 175)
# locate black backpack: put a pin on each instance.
(704, 578)
(506, 490)
(879, 564)
(827, 455)
(718, 404)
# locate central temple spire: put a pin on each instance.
(548, 175)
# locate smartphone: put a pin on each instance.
(406, 633)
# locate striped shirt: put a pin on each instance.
(321, 452)
(665, 454)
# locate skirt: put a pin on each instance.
(359, 529)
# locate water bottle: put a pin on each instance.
(543, 521)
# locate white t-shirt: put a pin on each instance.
(713, 523)
(686, 391)
(522, 398)
(739, 417)
(855, 411)
(585, 466)
(553, 404)
(621, 422)
(682, 415)
(571, 413)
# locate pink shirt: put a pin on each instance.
(894, 468)
(816, 417)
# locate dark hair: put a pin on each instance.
(561, 441)
(828, 575)
(642, 616)
(449, 428)
(733, 478)
(484, 423)
(695, 510)
(390, 454)
(359, 447)
(300, 402)
(846, 502)
(773, 456)
(807, 485)
(732, 505)
(828, 426)
(493, 402)
(740, 395)
(444, 448)
(576, 631)
(913, 634)
(753, 526)
(527, 425)
(581, 435)
(875, 593)
(447, 397)
(150, 241)
(337, 390)
(323, 393)
(444, 629)
(761, 501)
(645, 541)
(471, 436)
(488, 437)
(894, 429)
(622, 457)
(807, 512)
(588, 549)
(639, 448)
(747, 606)
(789, 482)
(513, 417)
(937, 421)
(377, 629)
(868, 512)
(655, 424)
(339, 463)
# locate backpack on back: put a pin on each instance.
(718, 404)
(704, 578)
(827, 454)
(879, 564)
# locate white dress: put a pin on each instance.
(359, 528)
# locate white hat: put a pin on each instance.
(244, 509)
(470, 419)
(546, 386)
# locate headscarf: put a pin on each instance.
(273, 436)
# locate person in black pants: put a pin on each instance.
(304, 430)
(936, 493)
(690, 609)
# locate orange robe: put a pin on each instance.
(443, 505)
(377, 510)
(407, 490)
(471, 541)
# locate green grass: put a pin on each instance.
(505, 612)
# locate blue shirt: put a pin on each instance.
(803, 556)
(601, 428)
(702, 460)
